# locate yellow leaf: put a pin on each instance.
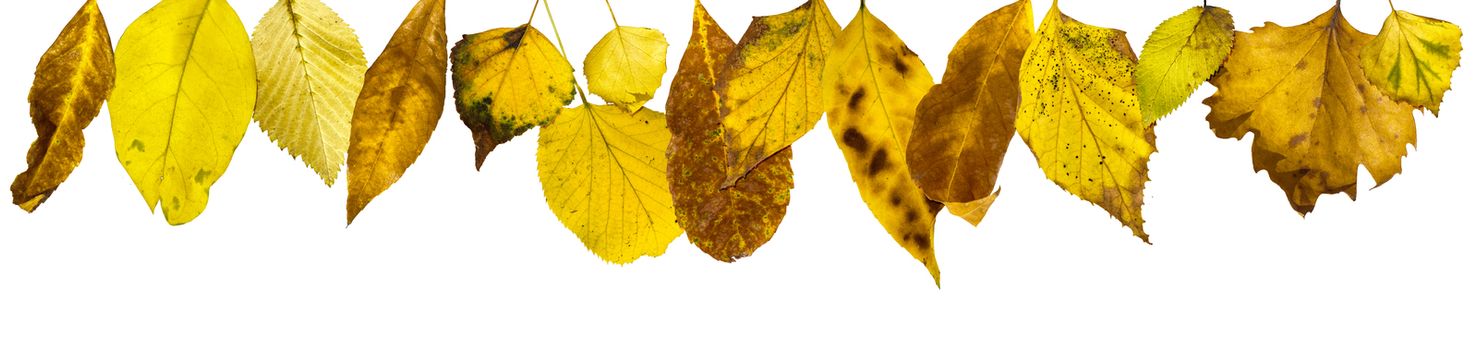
(404, 93)
(507, 81)
(605, 177)
(184, 96)
(625, 67)
(1180, 55)
(771, 86)
(1413, 57)
(310, 68)
(1080, 116)
(727, 223)
(873, 82)
(973, 212)
(73, 78)
(1300, 90)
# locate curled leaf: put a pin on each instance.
(625, 67)
(1180, 55)
(507, 81)
(1412, 58)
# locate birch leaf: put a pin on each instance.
(507, 81)
(1412, 58)
(183, 99)
(625, 67)
(1180, 55)
(73, 78)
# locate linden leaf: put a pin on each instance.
(404, 92)
(1413, 57)
(182, 101)
(310, 68)
(73, 78)
(771, 85)
(1302, 93)
(727, 223)
(1080, 115)
(966, 122)
(873, 83)
(625, 67)
(604, 177)
(506, 81)
(1180, 55)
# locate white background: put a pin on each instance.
(451, 258)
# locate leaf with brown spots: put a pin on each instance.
(404, 92)
(1412, 58)
(727, 223)
(872, 83)
(967, 121)
(507, 81)
(74, 77)
(1080, 116)
(1316, 118)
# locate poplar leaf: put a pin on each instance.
(625, 67)
(1180, 55)
(73, 78)
(771, 85)
(873, 83)
(310, 68)
(1412, 58)
(604, 175)
(727, 223)
(1301, 91)
(403, 96)
(507, 81)
(183, 99)
(966, 122)
(1080, 116)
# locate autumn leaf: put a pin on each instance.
(1412, 58)
(1302, 93)
(182, 101)
(73, 78)
(625, 67)
(310, 68)
(771, 84)
(1080, 115)
(873, 83)
(727, 223)
(507, 81)
(1180, 55)
(403, 96)
(967, 121)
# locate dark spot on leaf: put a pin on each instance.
(918, 240)
(878, 163)
(856, 100)
(854, 139)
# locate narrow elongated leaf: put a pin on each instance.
(404, 93)
(184, 96)
(73, 78)
(507, 81)
(1412, 58)
(1180, 55)
(310, 68)
(625, 67)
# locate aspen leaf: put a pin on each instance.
(625, 67)
(1301, 91)
(310, 68)
(966, 122)
(727, 223)
(1080, 115)
(1412, 58)
(873, 82)
(507, 81)
(403, 96)
(1180, 55)
(183, 99)
(73, 78)
(604, 176)
(771, 85)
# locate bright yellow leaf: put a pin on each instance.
(1180, 55)
(507, 81)
(1412, 58)
(625, 67)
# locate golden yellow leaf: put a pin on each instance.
(182, 101)
(1080, 115)
(771, 85)
(872, 83)
(604, 176)
(973, 212)
(1413, 57)
(1180, 55)
(727, 223)
(310, 68)
(73, 78)
(1302, 93)
(625, 67)
(507, 81)
(403, 96)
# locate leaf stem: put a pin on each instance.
(533, 11)
(613, 13)
(562, 51)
